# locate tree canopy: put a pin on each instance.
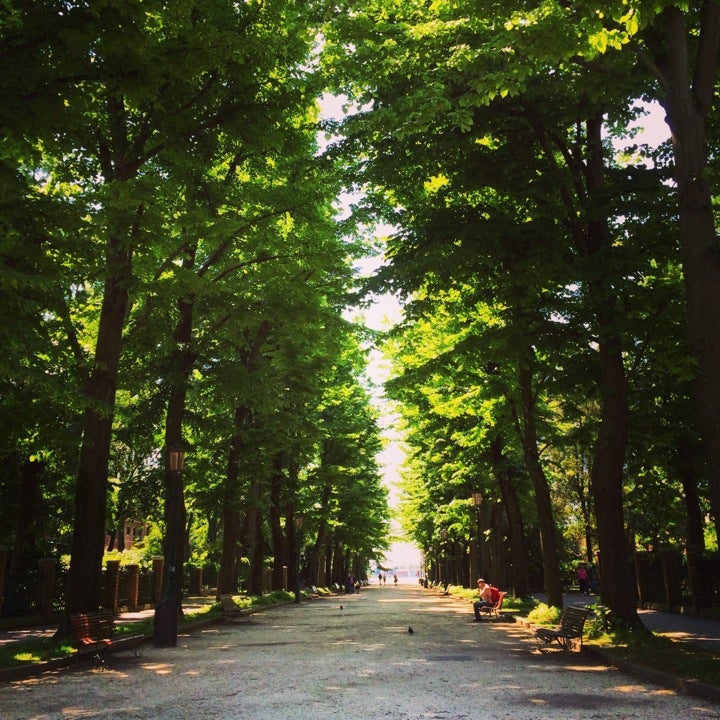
(178, 264)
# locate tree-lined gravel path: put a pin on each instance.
(350, 657)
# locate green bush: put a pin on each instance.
(520, 606)
(271, 598)
(545, 615)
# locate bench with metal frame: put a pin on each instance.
(95, 633)
(569, 633)
(231, 610)
(494, 610)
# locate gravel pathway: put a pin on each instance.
(350, 657)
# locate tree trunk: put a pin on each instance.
(182, 361)
(24, 554)
(518, 553)
(279, 544)
(689, 93)
(231, 505)
(694, 535)
(227, 575)
(88, 541)
(543, 501)
(607, 474)
(686, 91)
(255, 542)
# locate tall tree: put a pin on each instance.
(680, 52)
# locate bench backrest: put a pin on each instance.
(96, 625)
(499, 603)
(228, 604)
(573, 619)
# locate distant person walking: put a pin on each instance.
(583, 577)
(395, 579)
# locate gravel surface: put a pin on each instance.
(350, 657)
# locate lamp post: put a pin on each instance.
(446, 579)
(298, 533)
(477, 500)
(165, 627)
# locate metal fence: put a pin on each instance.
(26, 594)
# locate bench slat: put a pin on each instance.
(95, 632)
(570, 629)
(231, 610)
(495, 609)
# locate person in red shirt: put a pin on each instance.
(489, 596)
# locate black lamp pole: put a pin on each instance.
(165, 627)
(446, 578)
(298, 535)
(477, 500)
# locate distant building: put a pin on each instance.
(133, 531)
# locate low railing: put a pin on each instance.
(42, 592)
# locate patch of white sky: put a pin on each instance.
(649, 128)
(380, 314)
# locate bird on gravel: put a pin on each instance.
(341, 607)
(410, 631)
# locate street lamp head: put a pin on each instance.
(176, 457)
(477, 498)
(298, 521)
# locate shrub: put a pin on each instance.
(545, 614)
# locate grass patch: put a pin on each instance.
(272, 598)
(34, 651)
(657, 652)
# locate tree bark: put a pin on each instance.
(687, 105)
(182, 361)
(518, 552)
(88, 541)
(608, 468)
(279, 542)
(24, 554)
(255, 539)
(232, 508)
(694, 535)
(227, 574)
(546, 520)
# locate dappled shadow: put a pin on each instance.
(311, 654)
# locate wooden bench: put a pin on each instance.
(95, 633)
(569, 632)
(231, 610)
(494, 610)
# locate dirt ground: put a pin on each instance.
(350, 657)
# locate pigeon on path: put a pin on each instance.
(410, 631)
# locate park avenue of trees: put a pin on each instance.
(176, 272)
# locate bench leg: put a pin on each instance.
(100, 658)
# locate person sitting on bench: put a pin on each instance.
(489, 596)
